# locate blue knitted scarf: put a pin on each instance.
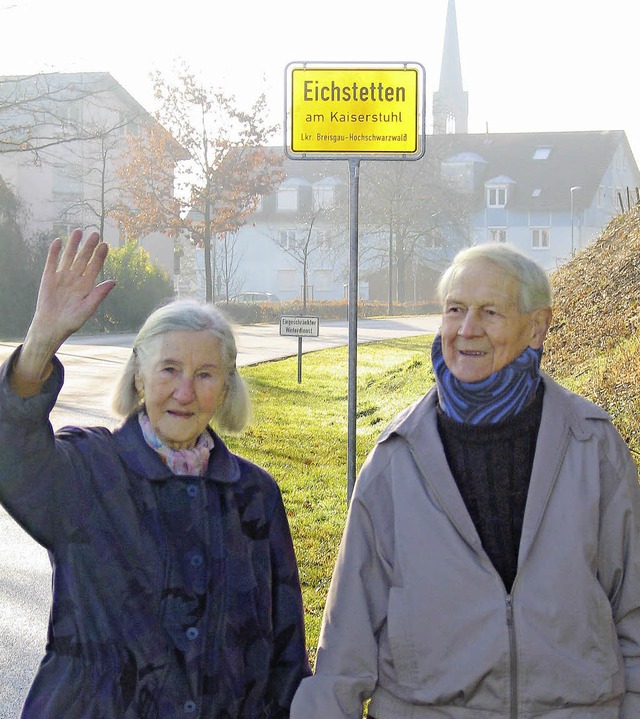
(501, 395)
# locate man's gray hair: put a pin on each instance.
(535, 290)
(180, 315)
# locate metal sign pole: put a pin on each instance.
(354, 111)
(354, 182)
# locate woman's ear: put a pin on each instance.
(540, 322)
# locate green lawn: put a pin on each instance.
(299, 434)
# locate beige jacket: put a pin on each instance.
(418, 618)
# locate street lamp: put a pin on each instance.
(571, 191)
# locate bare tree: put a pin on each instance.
(90, 168)
(229, 265)
(410, 217)
(44, 111)
(305, 240)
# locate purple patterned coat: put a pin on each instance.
(173, 597)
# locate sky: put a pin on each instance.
(548, 65)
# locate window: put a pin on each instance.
(288, 198)
(602, 197)
(287, 239)
(69, 115)
(497, 234)
(496, 196)
(434, 241)
(459, 175)
(287, 280)
(460, 170)
(323, 196)
(450, 124)
(67, 181)
(127, 124)
(618, 200)
(539, 238)
(60, 229)
(542, 153)
(322, 280)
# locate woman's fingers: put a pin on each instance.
(86, 253)
(70, 250)
(84, 261)
(51, 265)
(97, 257)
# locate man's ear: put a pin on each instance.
(540, 322)
(137, 380)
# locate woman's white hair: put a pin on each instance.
(533, 283)
(180, 315)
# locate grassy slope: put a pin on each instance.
(592, 346)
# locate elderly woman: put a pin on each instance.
(175, 587)
(490, 565)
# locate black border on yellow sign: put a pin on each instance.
(358, 126)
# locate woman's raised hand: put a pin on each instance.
(67, 298)
(68, 294)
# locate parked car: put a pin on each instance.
(255, 297)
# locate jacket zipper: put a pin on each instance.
(513, 667)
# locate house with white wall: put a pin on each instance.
(63, 138)
(292, 234)
(549, 194)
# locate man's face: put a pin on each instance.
(482, 328)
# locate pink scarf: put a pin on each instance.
(191, 462)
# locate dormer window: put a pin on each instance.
(460, 171)
(498, 190)
(497, 196)
(541, 153)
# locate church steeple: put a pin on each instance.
(450, 102)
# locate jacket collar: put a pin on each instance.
(563, 413)
(563, 409)
(145, 462)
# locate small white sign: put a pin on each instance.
(299, 326)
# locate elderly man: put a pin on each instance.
(490, 565)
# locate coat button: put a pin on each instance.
(192, 490)
(189, 707)
(192, 633)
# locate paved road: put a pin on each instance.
(91, 365)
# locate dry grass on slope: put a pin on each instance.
(596, 297)
(593, 343)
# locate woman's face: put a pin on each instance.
(482, 328)
(184, 384)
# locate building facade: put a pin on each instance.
(63, 139)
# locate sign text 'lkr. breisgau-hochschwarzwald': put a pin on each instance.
(355, 110)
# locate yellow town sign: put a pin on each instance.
(364, 110)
